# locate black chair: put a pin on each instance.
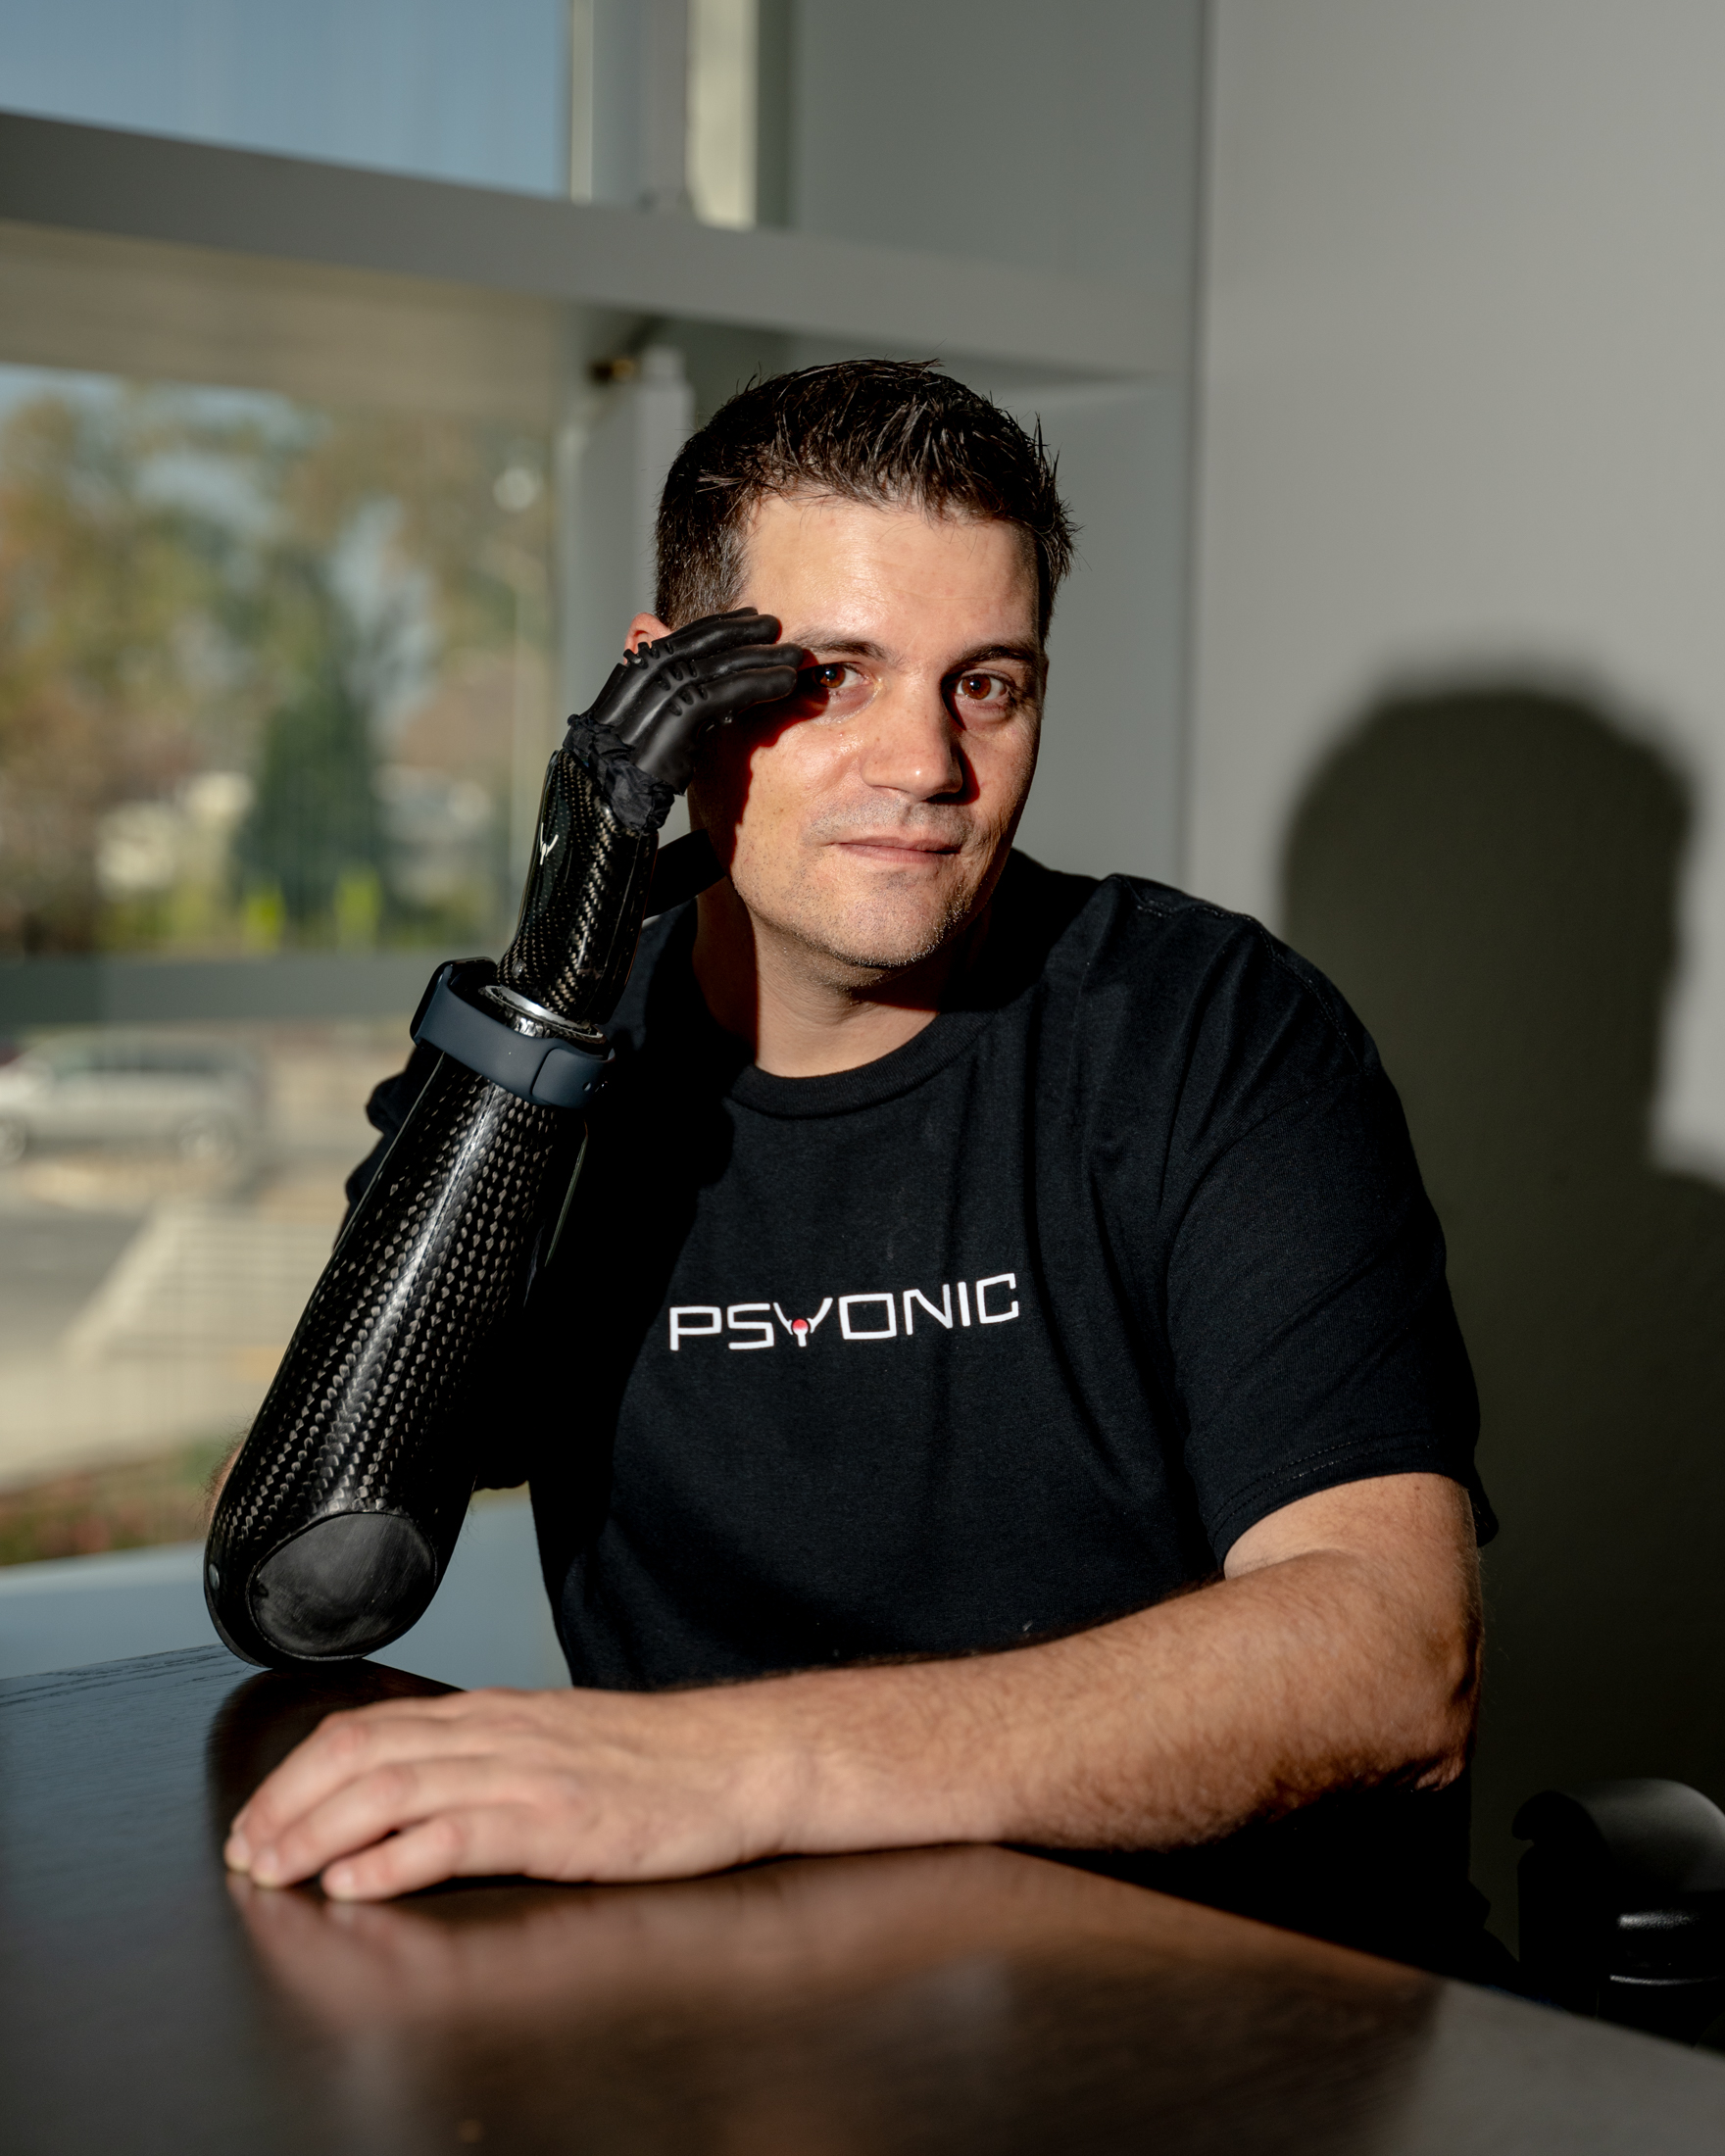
(1622, 1898)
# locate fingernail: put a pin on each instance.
(338, 1880)
(236, 1852)
(267, 1867)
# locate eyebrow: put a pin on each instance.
(1026, 654)
(863, 646)
(835, 640)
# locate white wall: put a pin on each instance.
(1465, 407)
(1018, 131)
(1110, 777)
(1461, 548)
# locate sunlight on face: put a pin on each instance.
(868, 818)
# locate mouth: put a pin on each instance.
(899, 848)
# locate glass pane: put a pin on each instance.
(171, 1199)
(724, 75)
(274, 689)
(452, 89)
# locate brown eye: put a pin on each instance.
(835, 689)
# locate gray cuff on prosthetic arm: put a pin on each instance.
(544, 1069)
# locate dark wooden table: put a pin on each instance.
(940, 1999)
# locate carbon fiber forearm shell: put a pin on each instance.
(339, 1516)
(575, 939)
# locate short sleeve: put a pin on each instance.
(1312, 1338)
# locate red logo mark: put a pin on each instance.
(800, 1328)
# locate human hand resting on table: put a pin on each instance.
(556, 1785)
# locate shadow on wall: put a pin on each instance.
(1490, 877)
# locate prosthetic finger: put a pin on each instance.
(719, 632)
(659, 700)
(636, 706)
(634, 688)
(669, 754)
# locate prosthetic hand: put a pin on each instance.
(342, 1509)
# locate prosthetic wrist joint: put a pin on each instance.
(548, 1068)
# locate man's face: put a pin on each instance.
(869, 818)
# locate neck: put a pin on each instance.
(805, 1014)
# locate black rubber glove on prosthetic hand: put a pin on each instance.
(341, 1511)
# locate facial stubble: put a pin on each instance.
(859, 944)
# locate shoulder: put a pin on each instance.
(1228, 965)
(1130, 938)
(1165, 995)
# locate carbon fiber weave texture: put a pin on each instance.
(366, 1413)
(575, 939)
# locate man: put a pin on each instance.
(971, 1260)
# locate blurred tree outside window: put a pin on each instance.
(260, 670)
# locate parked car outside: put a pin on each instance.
(203, 1098)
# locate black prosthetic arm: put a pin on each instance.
(341, 1511)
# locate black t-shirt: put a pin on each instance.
(1009, 1333)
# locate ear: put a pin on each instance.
(645, 629)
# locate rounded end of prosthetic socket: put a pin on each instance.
(343, 1586)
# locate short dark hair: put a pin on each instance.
(882, 431)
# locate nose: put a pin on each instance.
(912, 747)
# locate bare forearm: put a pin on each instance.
(1166, 1727)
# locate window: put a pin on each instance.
(538, 96)
(275, 703)
(444, 88)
